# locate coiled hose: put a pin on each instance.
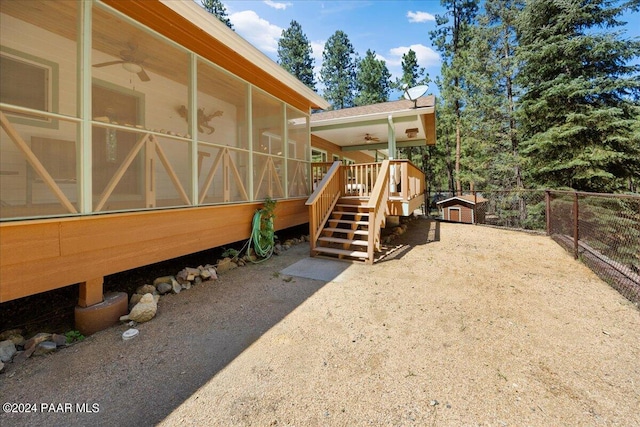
(263, 241)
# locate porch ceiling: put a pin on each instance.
(367, 127)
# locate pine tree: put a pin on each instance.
(412, 73)
(580, 101)
(492, 156)
(216, 8)
(452, 39)
(338, 71)
(294, 54)
(372, 80)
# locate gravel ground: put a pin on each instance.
(464, 326)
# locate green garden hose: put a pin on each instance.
(263, 240)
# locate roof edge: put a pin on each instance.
(193, 12)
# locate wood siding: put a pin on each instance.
(41, 255)
(333, 149)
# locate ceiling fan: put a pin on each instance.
(131, 61)
(370, 138)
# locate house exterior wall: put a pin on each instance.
(332, 149)
(50, 231)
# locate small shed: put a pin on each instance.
(468, 209)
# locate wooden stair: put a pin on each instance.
(346, 233)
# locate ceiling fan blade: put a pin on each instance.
(105, 64)
(144, 76)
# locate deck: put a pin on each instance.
(351, 203)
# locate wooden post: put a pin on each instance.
(576, 231)
(475, 206)
(91, 292)
(547, 203)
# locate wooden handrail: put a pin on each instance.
(411, 179)
(377, 207)
(322, 201)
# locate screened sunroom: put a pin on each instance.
(102, 114)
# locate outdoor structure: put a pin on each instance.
(467, 209)
(135, 132)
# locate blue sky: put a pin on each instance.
(390, 28)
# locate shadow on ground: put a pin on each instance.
(194, 336)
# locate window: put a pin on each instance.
(27, 82)
(318, 156)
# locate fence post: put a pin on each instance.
(475, 208)
(576, 230)
(547, 202)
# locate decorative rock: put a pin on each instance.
(7, 350)
(164, 288)
(163, 279)
(176, 288)
(45, 347)
(156, 298)
(1, 367)
(36, 339)
(143, 311)
(60, 340)
(225, 265)
(8, 334)
(146, 289)
(181, 277)
(13, 335)
(135, 298)
(187, 285)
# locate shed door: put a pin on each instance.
(454, 214)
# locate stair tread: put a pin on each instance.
(347, 252)
(351, 213)
(346, 221)
(350, 205)
(341, 240)
(347, 230)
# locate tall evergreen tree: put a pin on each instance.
(580, 101)
(412, 73)
(294, 54)
(492, 156)
(338, 70)
(373, 82)
(452, 38)
(216, 8)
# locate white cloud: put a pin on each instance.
(257, 31)
(317, 48)
(426, 56)
(420, 16)
(276, 5)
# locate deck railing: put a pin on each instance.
(322, 201)
(409, 178)
(377, 207)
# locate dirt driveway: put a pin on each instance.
(466, 325)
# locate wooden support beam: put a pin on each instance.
(91, 292)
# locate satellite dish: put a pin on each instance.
(413, 93)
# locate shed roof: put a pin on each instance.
(467, 198)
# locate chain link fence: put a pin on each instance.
(517, 209)
(602, 230)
